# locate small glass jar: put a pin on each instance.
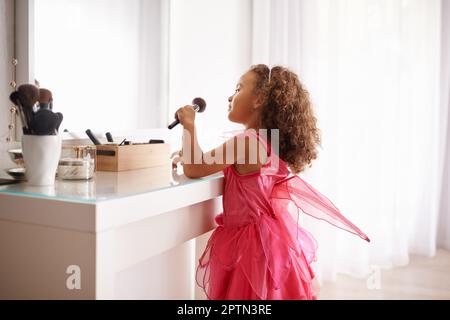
(76, 169)
(80, 152)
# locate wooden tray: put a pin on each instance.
(131, 157)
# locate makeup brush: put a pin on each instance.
(109, 137)
(199, 106)
(28, 96)
(45, 99)
(92, 137)
(14, 97)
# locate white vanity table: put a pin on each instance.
(128, 235)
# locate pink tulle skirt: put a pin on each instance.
(266, 260)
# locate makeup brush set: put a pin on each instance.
(35, 109)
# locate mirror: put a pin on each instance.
(110, 63)
(104, 61)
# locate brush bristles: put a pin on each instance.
(28, 95)
(45, 96)
(14, 97)
(201, 103)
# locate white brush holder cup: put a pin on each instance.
(41, 156)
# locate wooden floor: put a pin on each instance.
(424, 278)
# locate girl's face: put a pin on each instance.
(242, 108)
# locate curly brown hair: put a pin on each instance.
(287, 107)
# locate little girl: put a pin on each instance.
(258, 250)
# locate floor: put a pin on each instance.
(424, 278)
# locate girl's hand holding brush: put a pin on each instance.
(186, 116)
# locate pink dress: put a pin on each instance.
(258, 251)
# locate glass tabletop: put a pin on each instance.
(108, 185)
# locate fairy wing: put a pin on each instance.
(313, 203)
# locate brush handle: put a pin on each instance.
(154, 141)
(109, 137)
(25, 125)
(92, 137)
(28, 113)
(22, 119)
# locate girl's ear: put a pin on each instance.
(259, 101)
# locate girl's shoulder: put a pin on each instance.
(260, 135)
(253, 152)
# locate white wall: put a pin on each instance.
(6, 55)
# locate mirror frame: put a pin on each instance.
(23, 48)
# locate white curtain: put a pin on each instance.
(373, 71)
(444, 222)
